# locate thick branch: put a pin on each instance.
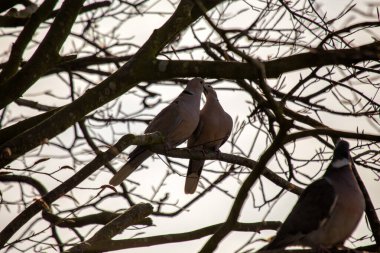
(45, 57)
(370, 210)
(166, 69)
(91, 219)
(213, 242)
(112, 87)
(76, 179)
(8, 133)
(273, 69)
(332, 133)
(181, 237)
(5, 5)
(7, 21)
(24, 38)
(137, 69)
(233, 159)
(114, 227)
(25, 179)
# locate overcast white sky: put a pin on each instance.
(215, 207)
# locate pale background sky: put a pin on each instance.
(215, 207)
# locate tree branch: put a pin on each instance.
(76, 179)
(7, 21)
(130, 217)
(101, 218)
(273, 68)
(166, 69)
(180, 237)
(25, 179)
(23, 40)
(332, 133)
(233, 159)
(170, 69)
(213, 242)
(135, 70)
(45, 57)
(370, 210)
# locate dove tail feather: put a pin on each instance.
(139, 155)
(193, 175)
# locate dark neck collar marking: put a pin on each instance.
(188, 92)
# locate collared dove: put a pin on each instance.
(176, 122)
(214, 128)
(328, 210)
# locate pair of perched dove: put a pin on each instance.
(328, 210)
(207, 129)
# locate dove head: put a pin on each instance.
(195, 86)
(341, 154)
(209, 91)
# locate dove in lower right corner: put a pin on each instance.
(328, 210)
(214, 128)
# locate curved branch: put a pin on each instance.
(74, 180)
(370, 210)
(25, 179)
(24, 38)
(273, 69)
(233, 159)
(139, 68)
(45, 57)
(6, 21)
(91, 219)
(180, 237)
(332, 133)
(219, 235)
(130, 217)
(166, 69)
